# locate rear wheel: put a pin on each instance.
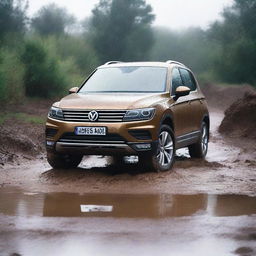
(60, 161)
(199, 149)
(164, 158)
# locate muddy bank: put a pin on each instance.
(222, 97)
(22, 130)
(240, 118)
(19, 141)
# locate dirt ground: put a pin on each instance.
(230, 166)
(240, 118)
(227, 169)
(200, 207)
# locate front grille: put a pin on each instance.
(109, 138)
(50, 132)
(104, 115)
(141, 134)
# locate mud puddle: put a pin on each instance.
(15, 202)
(125, 224)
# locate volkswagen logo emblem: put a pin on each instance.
(93, 116)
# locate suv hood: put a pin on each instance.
(110, 100)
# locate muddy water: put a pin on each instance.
(67, 224)
(15, 202)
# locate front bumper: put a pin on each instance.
(102, 149)
(124, 144)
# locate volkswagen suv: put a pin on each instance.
(148, 109)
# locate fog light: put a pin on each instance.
(50, 143)
(143, 146)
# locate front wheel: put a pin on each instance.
(163, 160)
(59, 161)
(199, 149)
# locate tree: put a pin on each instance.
(12, 16)
(121, 29)
(52, 20)
(237, 36)
(189, 46)
(247, 13)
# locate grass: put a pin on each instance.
(26, 118)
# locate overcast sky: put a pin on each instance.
(176, 14)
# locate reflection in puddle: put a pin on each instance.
(96, 208)
(19, 203)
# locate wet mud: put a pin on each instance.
(240, 118)
(200, 207)
(229, 168)
(125, 224)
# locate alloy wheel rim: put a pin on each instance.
(204, 141)
(165, 150)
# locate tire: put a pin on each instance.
(59, 161)
(199, 149)
(164, 158)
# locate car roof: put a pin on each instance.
(144, 63)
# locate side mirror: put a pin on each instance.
(73, 90)
(181, 91)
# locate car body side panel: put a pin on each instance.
(181, 116)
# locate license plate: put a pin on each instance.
(90, 130)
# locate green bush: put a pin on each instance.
(67, 50)
(2, 81)
(43, 77)
(11, 76)
(79, 49)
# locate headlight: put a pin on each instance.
(139, 114)
(55, 113)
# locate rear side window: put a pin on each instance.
(176, 80)
(188, 79)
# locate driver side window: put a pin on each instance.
(176, 80)
(188, 79)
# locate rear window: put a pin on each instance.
(126, 80)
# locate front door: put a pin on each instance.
(181, 107)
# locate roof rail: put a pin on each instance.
(174, 62)
(112, 62)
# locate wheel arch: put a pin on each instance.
(167, 119)
(206, 119)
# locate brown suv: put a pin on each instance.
(148, 109)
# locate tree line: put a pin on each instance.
(43, 55)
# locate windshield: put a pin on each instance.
(126, 79)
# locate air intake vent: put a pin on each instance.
(141, 134)
(50, 132)
(109, 138)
